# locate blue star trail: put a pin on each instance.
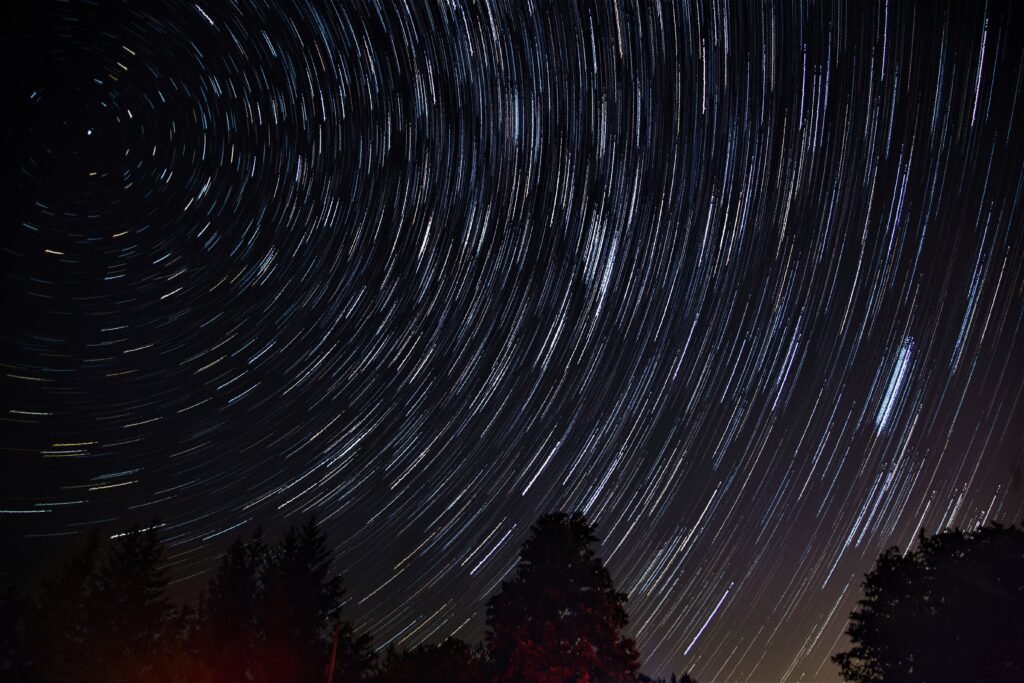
(742, 282)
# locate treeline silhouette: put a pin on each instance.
(952, 609)
(272, 614)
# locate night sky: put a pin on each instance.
(742, 282)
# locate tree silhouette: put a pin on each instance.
(227, 634)
(687, 678)
(14, 664)
(560, 619)
(948, 610)
(356, 659)
(299, 611)
(267, 616)
(105, 617)
(59, 625)
(134, 624)
(451, 661)
(270, 614)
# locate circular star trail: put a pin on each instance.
(744, 283)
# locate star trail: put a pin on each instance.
(742, 282)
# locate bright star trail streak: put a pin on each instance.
(743, 281)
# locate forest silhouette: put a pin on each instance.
(951, 609)
(271, 613)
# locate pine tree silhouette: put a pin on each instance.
(134, 624)
(560, 619)
(227, 634)
(60, 624)
(299, 611)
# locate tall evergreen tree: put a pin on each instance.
(61, 620)
(300, 611)
(560, 619)
(135, 624)
(105, 617)
(228, 631)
